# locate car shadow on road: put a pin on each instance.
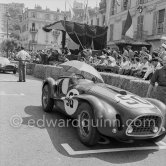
(54, 124)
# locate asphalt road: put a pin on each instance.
(27, 137)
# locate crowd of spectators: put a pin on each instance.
(140, 64)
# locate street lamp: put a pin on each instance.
(7, 15)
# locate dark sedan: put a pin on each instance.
(7, 66)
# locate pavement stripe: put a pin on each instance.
(162, 143)
(70, 151)
(2, 93)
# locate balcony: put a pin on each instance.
(33, 42)
(102, 6)
(33, 30)
(140, 35)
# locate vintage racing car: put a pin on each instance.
(104, 110)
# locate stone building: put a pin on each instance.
(148, 18)
(33, 20)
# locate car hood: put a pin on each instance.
(122, 101)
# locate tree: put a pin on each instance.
(13, 22)
(9, 45)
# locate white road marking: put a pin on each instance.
(70, 151)
(2, 93)
(162, 143)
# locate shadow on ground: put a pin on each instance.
(53, 123)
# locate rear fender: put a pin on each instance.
(51, 83)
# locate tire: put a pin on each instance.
(157, 139)
(47, 101)
(89, 136)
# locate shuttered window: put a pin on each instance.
(111, 31)
(140, 21)
(161, 16)
(112, 7)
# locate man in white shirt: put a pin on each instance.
(154, 65)
(22, 56)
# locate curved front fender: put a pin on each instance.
(51, 82)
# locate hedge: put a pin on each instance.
(129, 83)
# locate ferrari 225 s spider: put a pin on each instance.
(104, 110)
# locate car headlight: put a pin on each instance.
(130, 130)
(155, 129)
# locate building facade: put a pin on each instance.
(148, 19)
(97, 16)
(33, 20)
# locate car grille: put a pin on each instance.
(144, 125)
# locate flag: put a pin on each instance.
(128, 27)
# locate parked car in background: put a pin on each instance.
(7, 66)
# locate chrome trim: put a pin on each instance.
(147, 134)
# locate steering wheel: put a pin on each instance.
(79, 76)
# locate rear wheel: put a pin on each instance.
(47, 101)
(87, 132)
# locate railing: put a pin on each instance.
(33, 30)
(141, 35)
(33, 41)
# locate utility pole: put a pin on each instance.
(7, 15)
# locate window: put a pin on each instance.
(103, 19)
(126, 5)
(47, 16)
(113, 7)
(123, 24)
(92, 22)
(98, 21)
(140, 20)
(56, 17)
(33, 26)
(111, 31)
(161, 21)
(33, 14)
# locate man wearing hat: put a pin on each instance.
(154, 65)
(163, 50)
(160, 77)
(22, 57)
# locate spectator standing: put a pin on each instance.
(154, 65)
(22, 56)
(125, 52)
(160, 77)
(130, 51)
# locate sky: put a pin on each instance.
(51, 4)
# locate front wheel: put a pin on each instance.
(47, 101)
(87, 130)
